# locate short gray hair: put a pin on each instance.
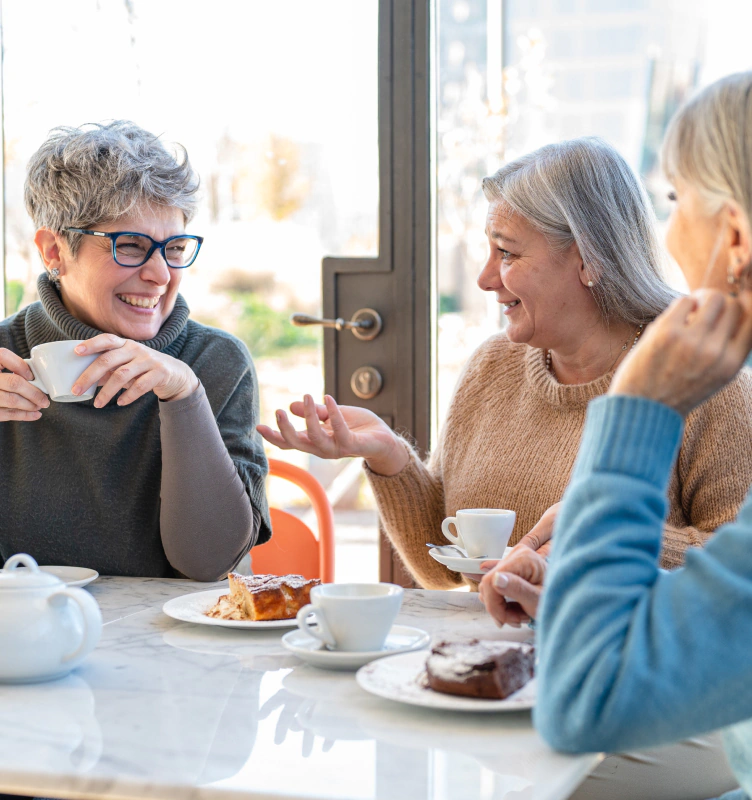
(583, 191)
(709, 143)
(81, 177)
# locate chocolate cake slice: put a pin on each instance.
(488, 669)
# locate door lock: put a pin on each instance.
(365, 324)
(366, 382)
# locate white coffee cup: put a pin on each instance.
(481, 531)
(56, 368)
(355, 617)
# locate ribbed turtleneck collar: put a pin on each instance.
(545, 385)
(50, 321)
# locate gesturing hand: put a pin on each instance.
(19, 400)
(125, 364)
(690, 351)
(334, 431)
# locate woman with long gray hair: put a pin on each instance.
(162, 473)
(576, 266)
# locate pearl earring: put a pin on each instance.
(590, 284)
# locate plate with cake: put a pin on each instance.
(253, 601)
(474, 675)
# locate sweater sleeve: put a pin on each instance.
(411, 507)
(717, 434)
(631, 656)
(411, 504)
(206, 519)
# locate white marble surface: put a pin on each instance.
(164, 709)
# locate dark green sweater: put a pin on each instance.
(146, 489)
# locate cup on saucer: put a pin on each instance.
(400, 639)
(480, 531)
(351, 617)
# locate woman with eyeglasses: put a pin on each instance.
(162, 472)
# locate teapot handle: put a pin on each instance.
(91, 615)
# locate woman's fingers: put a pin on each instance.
(18, 415)
(130, 371)
(109, 361)
(15, 385)
(273, 437)
(14, 362)
(298, 409)
(340, 429)
(100, 344)
(11, 400)
(139, 381)
(512, 587)
(295, 440)
(316, 434)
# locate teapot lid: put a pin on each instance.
(30, 578)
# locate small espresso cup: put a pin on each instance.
(481, 531)
(353, 617)
(56, 368)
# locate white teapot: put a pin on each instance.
(46, 629)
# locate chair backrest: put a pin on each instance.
(293, 547)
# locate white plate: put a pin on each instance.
(72, 576)
(193, 608)
(401, 639)
(460, 564)
(400, 678)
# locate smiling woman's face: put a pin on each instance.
(130, 302)
(541, 291)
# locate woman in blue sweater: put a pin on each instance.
(631, 656)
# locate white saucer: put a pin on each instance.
(401, 639)
(459, 564)
(72, 576)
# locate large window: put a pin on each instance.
(516, 74)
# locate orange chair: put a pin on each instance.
(293, 547)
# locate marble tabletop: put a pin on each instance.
(164, 709)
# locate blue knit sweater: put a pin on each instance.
(631, 656)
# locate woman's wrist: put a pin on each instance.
(189, 388)
(392, 463)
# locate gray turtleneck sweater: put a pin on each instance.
(148, 489)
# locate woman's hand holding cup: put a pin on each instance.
(334, 431)
(19, 400)
(137, 369)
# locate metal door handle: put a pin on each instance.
(366, 323)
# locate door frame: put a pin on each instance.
(402, 275)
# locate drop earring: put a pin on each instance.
(55, 277)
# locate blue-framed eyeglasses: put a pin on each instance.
(131, 249)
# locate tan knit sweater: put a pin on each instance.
(510, 440)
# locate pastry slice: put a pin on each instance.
(264, 597)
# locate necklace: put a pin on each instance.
(638, 332)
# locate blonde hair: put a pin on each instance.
(583, 191)
(708, 143)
